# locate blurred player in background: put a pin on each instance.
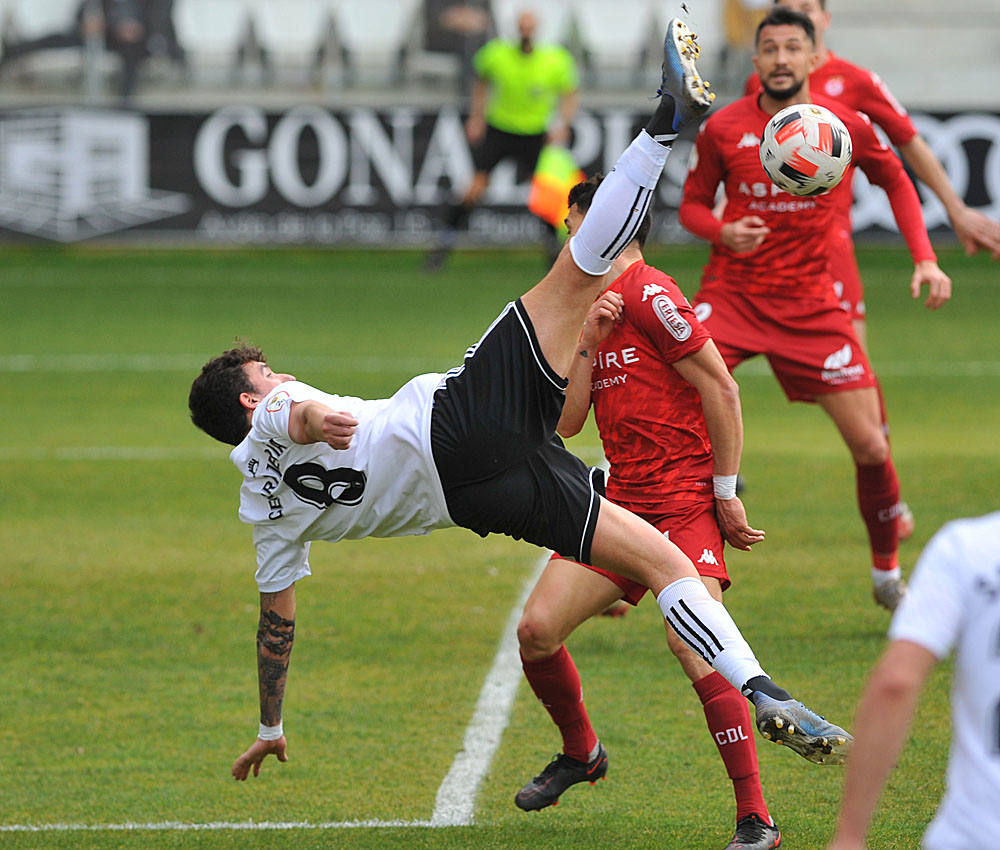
(953, 604)
(669, 416)
(768, 289)
(524, 97)
(862, 90)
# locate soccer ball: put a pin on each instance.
(805, 149)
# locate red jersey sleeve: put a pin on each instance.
(705, 172)
(752, 85)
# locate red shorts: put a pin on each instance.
(846, 276)
(809, 342)
(692, 527)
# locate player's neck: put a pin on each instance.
(771, 105)
(822, 54)
(630, 255)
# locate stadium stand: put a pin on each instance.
(390, 49)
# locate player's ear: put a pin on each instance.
(249, 400)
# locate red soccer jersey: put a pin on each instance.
(793, 259)
(650, 418)
(858, 89)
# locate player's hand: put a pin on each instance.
(927, 271)
(258, 751)
(338, 429)
(977, 232)
(733, 523)
(744, 235)
(604, 312)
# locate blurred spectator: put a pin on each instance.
(128, 28)
(739, 22)
(456, 27)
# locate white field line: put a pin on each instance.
(456, 797)
(34, 363)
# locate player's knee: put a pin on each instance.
(535, 639)
(872, 450)
(588, 261)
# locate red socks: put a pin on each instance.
(878, 501)
(728, 717)
(556, 682)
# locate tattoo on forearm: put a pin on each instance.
(275, 636)
(584, 353)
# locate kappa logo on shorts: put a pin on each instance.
(668, 314)
(708, 557)
(840, 358)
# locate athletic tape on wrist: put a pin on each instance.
(724, 486)
(271, 733)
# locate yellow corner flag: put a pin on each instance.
(555, 174)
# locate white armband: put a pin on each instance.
(271, 733)
(724, 486)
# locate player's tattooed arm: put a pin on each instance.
(275, 636)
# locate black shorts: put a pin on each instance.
(498, 145)
(493, 433)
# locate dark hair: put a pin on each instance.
(214, 400)
(779, 16)
(582, 194)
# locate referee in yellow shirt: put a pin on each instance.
(519, 87)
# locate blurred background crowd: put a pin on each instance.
(168, 52)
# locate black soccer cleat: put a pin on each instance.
(755, 833)
(560, 773)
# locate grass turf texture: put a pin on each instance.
(130, 609)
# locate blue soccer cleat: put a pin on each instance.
(790, 723)
(681, 79)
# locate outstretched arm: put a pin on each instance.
(974, 230)
(706, 371)
(880, 729)
(275, 636)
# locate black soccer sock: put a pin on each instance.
(765, 686)
(661, 125)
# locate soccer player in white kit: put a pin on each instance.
(953, 604)
(475, 447)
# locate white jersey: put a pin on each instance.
(384, 485)
(953, 602)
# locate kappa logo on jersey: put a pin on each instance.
(668, 314)
(708, 557)
(840, 358)
(749, 140)
(651, 289)
(702, 311)
(277, 401)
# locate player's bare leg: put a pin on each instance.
(558, 304)
(565, 595)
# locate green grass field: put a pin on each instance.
(129, 608)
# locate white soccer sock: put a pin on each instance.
(705, 625)
(619, 205)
